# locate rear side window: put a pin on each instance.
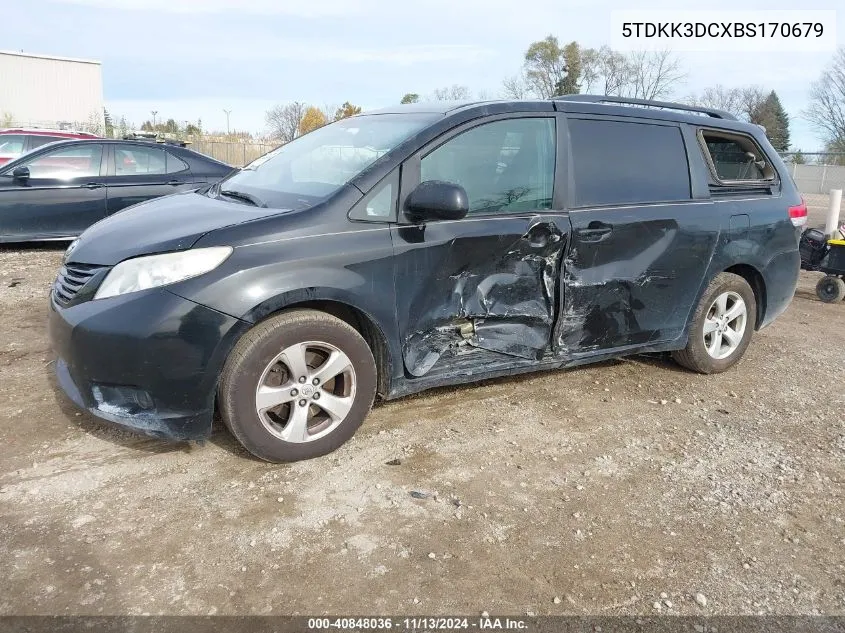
(735, 157)
(174, 164)
(39, 140)
(132, 160)
(616, 163)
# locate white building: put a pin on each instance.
(44, 91)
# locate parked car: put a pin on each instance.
(17, 141)
(424, 246)
(60, 189)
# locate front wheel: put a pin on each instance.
(721, 327)
(297, 385)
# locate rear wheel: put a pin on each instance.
(722, 326)
(830, 289)
(297, 386)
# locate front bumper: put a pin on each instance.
(148, 360)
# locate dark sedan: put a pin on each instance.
(60, 189)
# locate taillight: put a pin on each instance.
(798, 213)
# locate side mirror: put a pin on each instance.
(21, 174)
(437, 200)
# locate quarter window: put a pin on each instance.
(506, 166)
(616, 163)
(379, 205)
(736, 157)
(141, 161)
(175, 165)
(77, 161)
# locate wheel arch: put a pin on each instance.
(344, 309)
(758, 284)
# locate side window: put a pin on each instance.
(11, 144)
(379, 205)
(174, 164)
(131, 160)
(506, 166)
(77, 161)
(735, 157)
(39, 140)
(616, 163)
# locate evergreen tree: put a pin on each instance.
(770, 114)
(108, 124)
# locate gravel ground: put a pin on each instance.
(630, 487)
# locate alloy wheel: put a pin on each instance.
(306, 391)
(725, 325)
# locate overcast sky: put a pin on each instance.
(190, 59)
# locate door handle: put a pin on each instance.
(173, 183)
(595, 232)
(93, 185)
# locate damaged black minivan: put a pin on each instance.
(421, 246)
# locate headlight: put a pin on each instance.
(159, 270)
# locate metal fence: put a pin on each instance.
(816, 173)
(233, 153)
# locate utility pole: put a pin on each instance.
(228, 112)
(154, 113)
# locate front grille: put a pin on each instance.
(71, 279)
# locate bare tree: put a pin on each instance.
(514, 87)
(718, 97)
(284, 120)
(743, 102)
(652, 74)
(603, 71)
(454, 92)
(827, 102)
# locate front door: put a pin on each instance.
(63, 195)
(641, 243)
(481, 292)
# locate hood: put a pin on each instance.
(171, 223)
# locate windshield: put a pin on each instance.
(312, 167)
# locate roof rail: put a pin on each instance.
(666, 105)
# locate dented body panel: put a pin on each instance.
(490, 284)
(637, 283)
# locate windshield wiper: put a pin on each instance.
(240, 195)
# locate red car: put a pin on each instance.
(17, 141)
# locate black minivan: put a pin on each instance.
(421, 246)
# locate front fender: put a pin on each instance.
(353, 268)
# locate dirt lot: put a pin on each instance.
(627, 487)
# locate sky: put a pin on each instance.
(190, 59)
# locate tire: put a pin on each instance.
(723, 345)
(262, 370)
(830, 289)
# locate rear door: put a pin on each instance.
(139, 172)
(63, 196)
(480, 293)
(642, 239)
